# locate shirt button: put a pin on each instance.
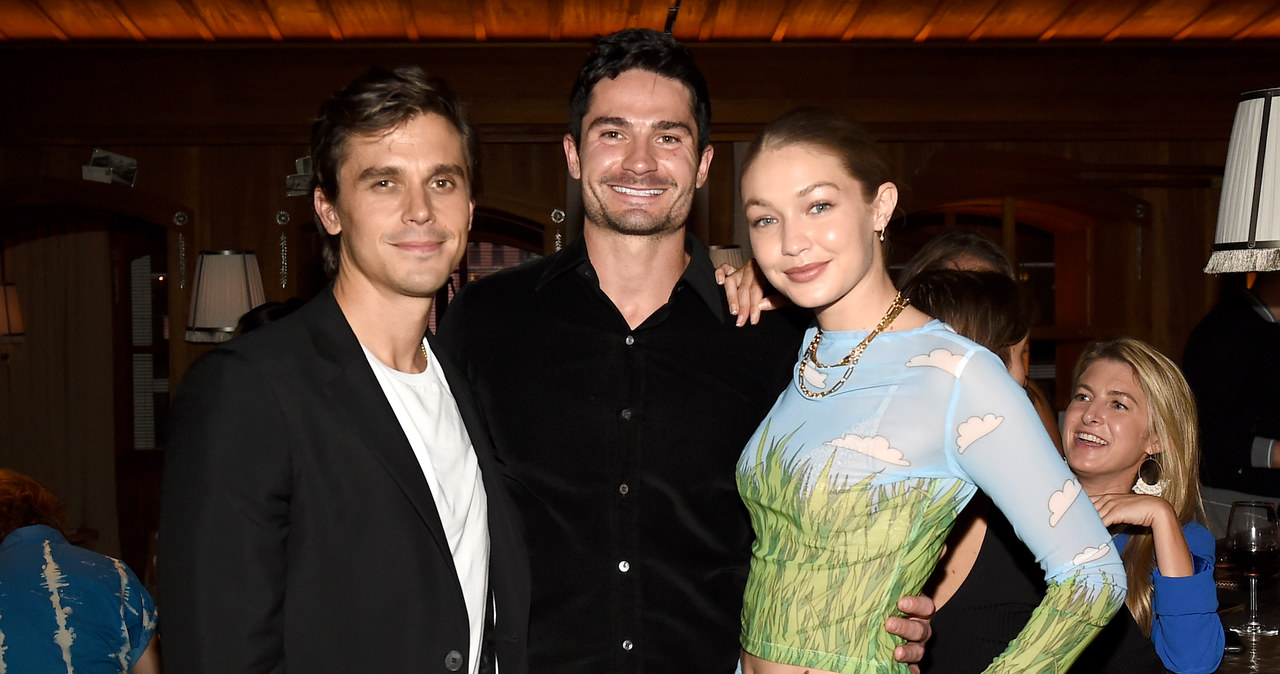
(627, 645)
(630, 340)
(626, 415)
(453, 661)
(624, 566)
(623, 489)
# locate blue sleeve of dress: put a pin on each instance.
(1185, 627)
(997, 439)
(139, 614)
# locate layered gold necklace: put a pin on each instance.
(851, 360)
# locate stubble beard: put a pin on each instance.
(638, 223)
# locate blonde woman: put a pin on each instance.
(1130, 436)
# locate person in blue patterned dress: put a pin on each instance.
(890, 424)
(65, 609)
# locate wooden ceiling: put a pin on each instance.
(235, 21)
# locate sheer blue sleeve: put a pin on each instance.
(998, 441)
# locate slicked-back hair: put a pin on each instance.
(640, 49)
(989, 308)
(826, 131)
(379, 102)
(25, 502)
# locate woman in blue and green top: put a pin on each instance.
(891, 423)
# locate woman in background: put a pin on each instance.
(856, 474)
(960, 249)
(994, 311)
(966, 250)
(988, 307)
(1130, 436)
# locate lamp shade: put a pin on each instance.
(1248, 234)
(10, 312)
(227, 284)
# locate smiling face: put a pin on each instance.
(1107, 430)
(638, 160)
(813, 233)
(404, 208)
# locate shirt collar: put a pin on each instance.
(33, 533)
(698, 275)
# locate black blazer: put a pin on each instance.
(297, 529)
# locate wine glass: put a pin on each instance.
(1253, 546)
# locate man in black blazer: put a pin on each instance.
(331, 501)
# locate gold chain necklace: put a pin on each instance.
(851, 360)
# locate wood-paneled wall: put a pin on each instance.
(215, 129)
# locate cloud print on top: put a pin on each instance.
(1059, 501)
(974, 428)
(876, 447)
(939, 358)
(1090, 554)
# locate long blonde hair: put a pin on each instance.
(1171, 411)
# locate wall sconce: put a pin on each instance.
(227, 284)
(1248, 234)
(11, 329)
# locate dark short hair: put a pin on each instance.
(640, 49)
(25, 502)
(991, 309)
(377, 102)
(828, 131)
(942, 249)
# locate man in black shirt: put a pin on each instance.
(620, 393)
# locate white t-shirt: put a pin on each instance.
(429, 416)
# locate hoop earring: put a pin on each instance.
(1148, 482)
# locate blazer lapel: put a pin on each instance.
(357, 400)
(470, 412)
(509, 576)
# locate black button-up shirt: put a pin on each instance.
(620, 446)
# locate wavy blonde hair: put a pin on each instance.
(1171, 413)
